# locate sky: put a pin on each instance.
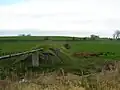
(59, 17)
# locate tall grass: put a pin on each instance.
(67, 81)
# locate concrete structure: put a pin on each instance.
(35, 59)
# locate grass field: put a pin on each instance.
(77, 65)
(76, 46)
(19, 44)
(34, 38)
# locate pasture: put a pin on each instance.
(24, 43)
(77, 65)
(18, 44)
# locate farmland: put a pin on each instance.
(77, 65)
(19, 44)
(28, 42)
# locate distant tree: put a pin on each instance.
(21, 35)
(94, 37)
(29, 35)
(85, 38)
(116, 34)
(67, 46)
(46, 38)
(80, 38)
(73, 38)
(110, 39)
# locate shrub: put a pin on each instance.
(46, 38)
(67, 46)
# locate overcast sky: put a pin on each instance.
(71, 17)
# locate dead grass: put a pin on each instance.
(54, 81)
(59, 80)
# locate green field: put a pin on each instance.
(76, 46)
(34, 38)
(77, 64)
(20, 43)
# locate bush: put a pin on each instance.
(67, 46)
(84, 38)
(94, 37)
(73, 38)
(46, 38)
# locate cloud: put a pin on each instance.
(61, 15)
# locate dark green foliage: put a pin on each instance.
(67, 46)
(118, 38)
(94, 37)
(84, 38)
(73, 38)
(110, 39)
(46, 38)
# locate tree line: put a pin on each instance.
(116, 35)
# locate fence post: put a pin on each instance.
(35, 59)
